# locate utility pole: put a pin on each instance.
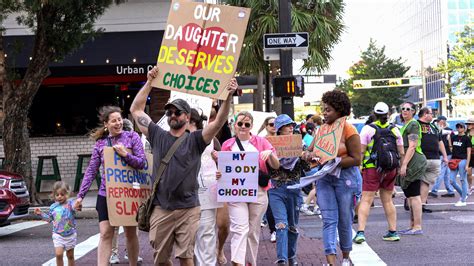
(423, 78)
(286, 57)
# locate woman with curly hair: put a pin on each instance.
(336, 193)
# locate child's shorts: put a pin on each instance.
(66, 242)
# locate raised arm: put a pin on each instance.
(210, 131)
(138, 105)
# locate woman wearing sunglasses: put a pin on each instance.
(413, 166)
(269, 126)
(245, 217)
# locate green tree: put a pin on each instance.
(321, 19)
(460, 63)
(374, 64)
(60, 27)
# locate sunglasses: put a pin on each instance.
(407, 109)
(271, 124)
(169, 113)
(459, 126)
(240, 124)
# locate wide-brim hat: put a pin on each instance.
(283, 120)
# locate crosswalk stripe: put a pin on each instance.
(10, 229)
(363, 254)
(81, 249)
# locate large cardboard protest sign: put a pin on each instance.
(239, 181)
(287, 146)
(328, 139)
(201, 48)
(126, 187)
(200, 103)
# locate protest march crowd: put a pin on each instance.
(209, 178)
(190, 216)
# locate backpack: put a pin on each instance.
(384, 153)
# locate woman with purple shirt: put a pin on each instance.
(111, 134)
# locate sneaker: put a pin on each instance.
(263, 223)
(426, 210)
(346, 262)
(304, 209)
(448, 195)
(460, 204)
(359, 238)
(114, 259)
(391, 237)
(316, 210)
(411, 232)
(433, 194)
(140, 259)
(471, 190)
(273, 237)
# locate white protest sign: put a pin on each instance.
(195, 101)
(239, 181)
(207, 181)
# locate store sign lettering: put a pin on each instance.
(127, 70)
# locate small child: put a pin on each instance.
(61, 214)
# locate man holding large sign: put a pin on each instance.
(200, 48)
(176, 212)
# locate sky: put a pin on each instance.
(364, 19)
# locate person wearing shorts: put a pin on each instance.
(431, 145)
(373, 180)
(412, 169)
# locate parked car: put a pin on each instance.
(14, 197)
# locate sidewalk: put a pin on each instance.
(310, 245)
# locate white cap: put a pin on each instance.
(381, 108)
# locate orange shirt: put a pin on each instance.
(348, 131)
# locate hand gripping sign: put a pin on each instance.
(200, 48)
(126, 187)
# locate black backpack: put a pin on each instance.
(384, 153)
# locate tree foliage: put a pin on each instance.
(60, 27)
(321, 19)
(374, 64)
(460, 63)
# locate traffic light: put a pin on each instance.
(288, 86)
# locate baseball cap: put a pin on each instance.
(470, 120)
(441, 117)
(283, 120)
(179, 104)
(381, 108)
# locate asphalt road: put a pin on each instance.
(448, 238)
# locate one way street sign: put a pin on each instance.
(285, 40)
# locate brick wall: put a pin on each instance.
(66, 149)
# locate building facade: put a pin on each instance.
(424, 31)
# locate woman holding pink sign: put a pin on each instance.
(245, 217)
(111, 133)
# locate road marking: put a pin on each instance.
(10, 229)
(432, 204)
(362, 254)
(80, 250)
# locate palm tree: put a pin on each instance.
(322, 19)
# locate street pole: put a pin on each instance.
(423, 79)
(268, 99)
(286, 57)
